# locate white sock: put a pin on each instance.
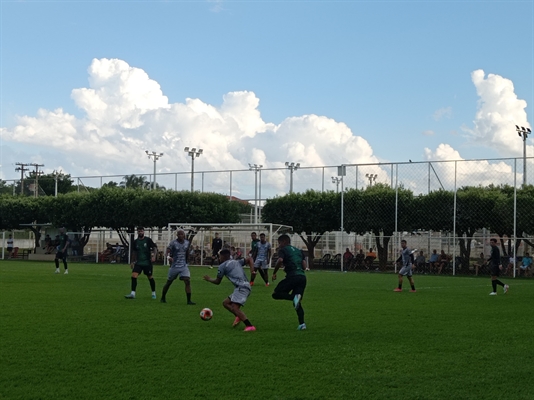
(133, 293)
(153, 293)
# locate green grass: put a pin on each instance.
(75, 337)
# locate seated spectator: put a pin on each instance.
(444, 261)
(369, 258)
(433, 262)
(480, 263)
(526, 263)
(232, 253)
(75, 246)
(359, 258)
(420, 262)
(117, 253)
(104, 256)
(347, 258)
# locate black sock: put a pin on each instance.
(413, 287)
(152, 284)
(65, 265)
(300, 314)
(188, 297)
(400, 285)
(57, 263)
(247, 322)
(494, 285)
(498, 282)
(134, 284)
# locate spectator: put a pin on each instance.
(481, 263)
(75, 246)
(106, 254)
(420, 262)
(526, 263)
(434, 258)
(370, 257)
(359, 258)
(116, 256)
(10, 246)
(444, 260)
(347, 258)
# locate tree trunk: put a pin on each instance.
(382, 250)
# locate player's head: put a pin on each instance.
(284, 240)
(140, 232)
(253, 235)
(493, 242)
(403, 244)
(62, 230)
(216, 235)
(262, 237)
(180, 234)
(224, 255)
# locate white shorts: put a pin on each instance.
(406, 271)
(240, 295)
(178, 272)
(261, 264)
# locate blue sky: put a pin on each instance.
(396, 74)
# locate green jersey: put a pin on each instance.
(292, 260)
(64, 241)
(143, 248)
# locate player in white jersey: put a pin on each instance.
(177, 255)
(233, 270)
(406, 258)
(262, 258)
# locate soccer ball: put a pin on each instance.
(206, 314)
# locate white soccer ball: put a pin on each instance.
(206, 314)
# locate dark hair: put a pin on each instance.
(262, 234)
(224, 252)
(403, 241)
(140, 228)
(493, 240)
(284, 238)
(253, 233)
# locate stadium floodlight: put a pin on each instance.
(523, 133)
(256, 168)
(372, 178)
(156, 157)
(337, 181)
(292, 168)
(193, 152)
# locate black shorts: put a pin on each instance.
(9, 249)
(145, 269)
(61, 255)
(495, 270)
(295, 284)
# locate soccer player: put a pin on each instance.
(495, 268)
(216, 246)
(177, 256)
(233, 270)
(143, 255)
(293, 286)
(64, 243)
(406, 258)
(262, 260)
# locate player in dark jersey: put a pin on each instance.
(61, 254)
(495, 268)
(293, 286)
(253, 253)
(216, 246)
(143, 255)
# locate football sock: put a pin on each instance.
(152, 284)
(65, 265)
(57, 263)
(300, 314)
(400, 285)
(188, 297)
(494, 285)
(498, 282)
(247, 322)
(413, 287)
(134, 284)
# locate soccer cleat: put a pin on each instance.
(267, 284)
(190, 303)
(505, 288)
(154, 296)
(66, 272)
(397, 290)
(301, 327)
(163, 300)
(237, 320)
(130, 296)
(493, 294)
(57, 271)
(251, 283)
(250, 329)
(413, 291)
(296, 301)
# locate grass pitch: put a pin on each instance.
(76, 337)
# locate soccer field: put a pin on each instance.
(76, 337)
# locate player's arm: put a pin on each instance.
(67, 244)
(215, 281)
(279, 263)
(153, 251)
(305, 265)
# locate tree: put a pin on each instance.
(47, 183)
(134, 182)
(311, 214)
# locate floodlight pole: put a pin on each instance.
(292, 167)
(193, 153)
(523, 133)
(371, 177)
(256, 168)
(337, 181)
(156, 157)
(56, 174)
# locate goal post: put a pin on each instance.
(200, 236)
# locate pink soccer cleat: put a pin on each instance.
(250, 329)
(397, 290)
(236, 322)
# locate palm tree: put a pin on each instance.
(134, 182)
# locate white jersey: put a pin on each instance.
(178, 252)
(233, 270)
(262, 251)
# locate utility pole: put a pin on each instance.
(22, 168)
(37, 174)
